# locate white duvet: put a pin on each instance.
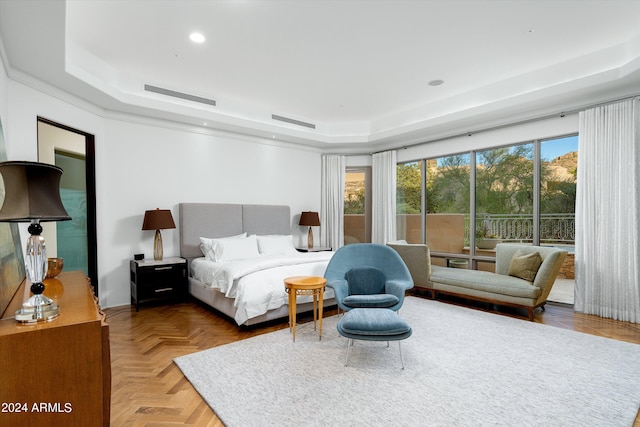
(257, 284)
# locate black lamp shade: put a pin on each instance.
(32, 192)
(310, 219)
(158, 219)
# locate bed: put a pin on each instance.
(249, 287)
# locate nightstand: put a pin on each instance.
(315, 249)
(158, 280)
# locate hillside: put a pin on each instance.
(564, 167)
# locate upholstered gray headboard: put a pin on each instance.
(222, 220)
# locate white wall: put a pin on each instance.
(143, 164)
(147, 166)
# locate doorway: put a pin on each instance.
(75, 241)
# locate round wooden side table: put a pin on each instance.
(305, 285)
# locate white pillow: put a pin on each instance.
(237, 249)
(208, 246)
(276, 245)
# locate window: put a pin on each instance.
(463, 205)
(409, 201)
(447, 200)
(357, 205)
(503, 198)
(559, 165)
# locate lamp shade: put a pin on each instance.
(309, 219)
(32, 192)
(158, 219)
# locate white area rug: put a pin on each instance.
(463, 368)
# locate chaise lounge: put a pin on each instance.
(524, 275)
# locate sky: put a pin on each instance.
(557, 147)
(551, 148)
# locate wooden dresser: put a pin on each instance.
(57, 373)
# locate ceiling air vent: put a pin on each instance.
(180, 95)
(293, 121)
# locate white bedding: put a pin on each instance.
(257, 284)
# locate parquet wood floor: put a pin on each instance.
(149, 390)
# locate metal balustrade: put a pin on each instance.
(554, 228)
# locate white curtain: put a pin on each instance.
(332, 201)
(383, 194)
(607, 212)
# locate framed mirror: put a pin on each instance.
(12, 271)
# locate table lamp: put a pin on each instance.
(32, 194)
(158, 219)
(309, 219)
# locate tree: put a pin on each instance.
(409, 188)
(558, 197)
(354, 203)
(504, 184)
(448, 184)
(504, 180)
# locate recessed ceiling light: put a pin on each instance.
(197, 38)
(436, 82)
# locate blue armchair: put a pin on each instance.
(368, 275)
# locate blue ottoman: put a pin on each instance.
(373, 324)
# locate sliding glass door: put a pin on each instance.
(559, 164)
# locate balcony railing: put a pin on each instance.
(554, 228)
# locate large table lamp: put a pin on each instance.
(32, 194)
(309, 219)
(157, 219)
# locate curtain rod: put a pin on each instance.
(521, 122)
